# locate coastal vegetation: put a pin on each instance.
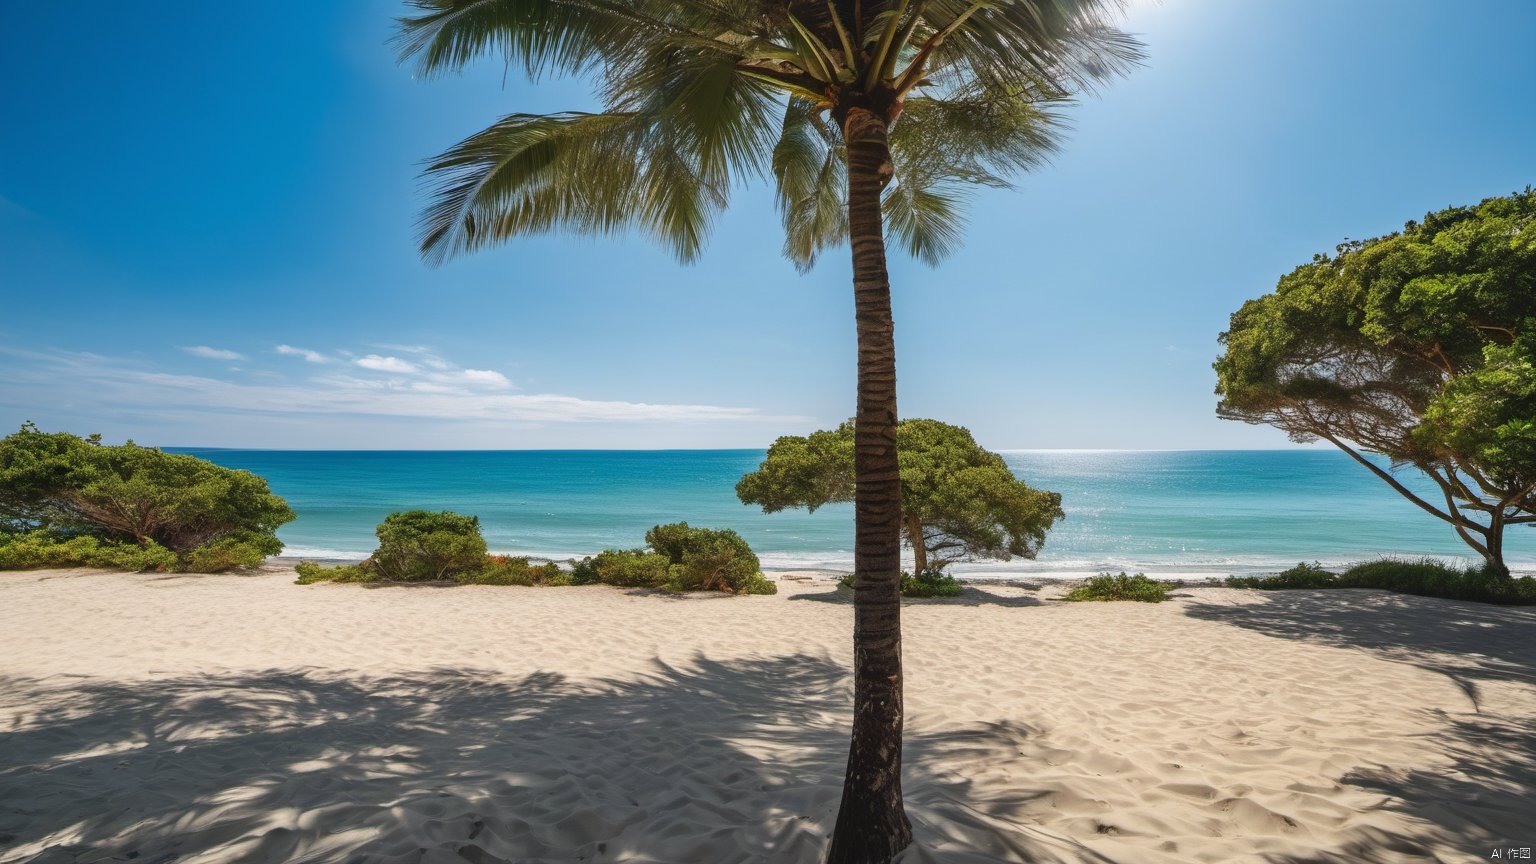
(867, 116)
(679, 557)
(1104, 588)
(1419, 346)
(923, 584)
(71, 501)
(1425, 577)
(958, 500)
(427, 546)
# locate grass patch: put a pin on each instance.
(1301, 576)
(1105, 587)
(1424, 577)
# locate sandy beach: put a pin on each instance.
(242, 718)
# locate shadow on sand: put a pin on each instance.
(715, 762)
(1490, 784)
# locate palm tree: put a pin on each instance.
(868, 114)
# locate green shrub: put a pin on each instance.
(72, 486)
(39, 549)
(504, 570)
(680, 558)
(707, 559)
(310, 572)
(1303, 575)
(626, 568)
(1430, 578)
(231, 553)
(1105, 587)
(933, 582)
(420, 545)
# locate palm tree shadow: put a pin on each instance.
(712, 761)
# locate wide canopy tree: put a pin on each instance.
(958, 500)
(1419, 346)
(865, 113)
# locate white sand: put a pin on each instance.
(243, 718)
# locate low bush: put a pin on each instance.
(38, 549)
(929, 583)
(1430, 578)
(1303, 575)
(680, 558)
(426, 546)
(625, 568)
(505, 570)
(1105, 587)
(1425, 577)
(310, 573)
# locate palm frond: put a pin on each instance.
(811, 184)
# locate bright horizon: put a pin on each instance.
(236, 268)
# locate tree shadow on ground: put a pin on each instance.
(973, 596)
(1482, 797)
(1469, 642)
(712, 762)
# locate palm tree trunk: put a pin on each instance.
(872, 823)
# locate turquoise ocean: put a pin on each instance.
(1188, 512)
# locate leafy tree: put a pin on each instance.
(422, 545)
(958, 500)
(868, 114)
(209, 516)
(1419, 346)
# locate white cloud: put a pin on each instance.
(455, 397)
(486, 378)
(213, 353)
(308, 355)
(387, 364)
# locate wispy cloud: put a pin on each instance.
(208, 353)
(403, 390)
(386, 364)
(308, 355)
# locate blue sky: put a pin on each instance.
(206, 238)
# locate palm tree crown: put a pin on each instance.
(701, 94)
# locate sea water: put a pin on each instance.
(1162, 512)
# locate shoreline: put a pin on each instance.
(1004, 571)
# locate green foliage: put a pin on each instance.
(211, 518)
(626, 568)
(1105, 587)
(958, 499)
(421, 545)
(698, 95)
(1425, 577)
(39, 549)
(680, 558)
(1303, 575)
(310, 572)
(1430, 578)
(706, 559)
(930, 583)
(1417, 346)
(505, 570)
